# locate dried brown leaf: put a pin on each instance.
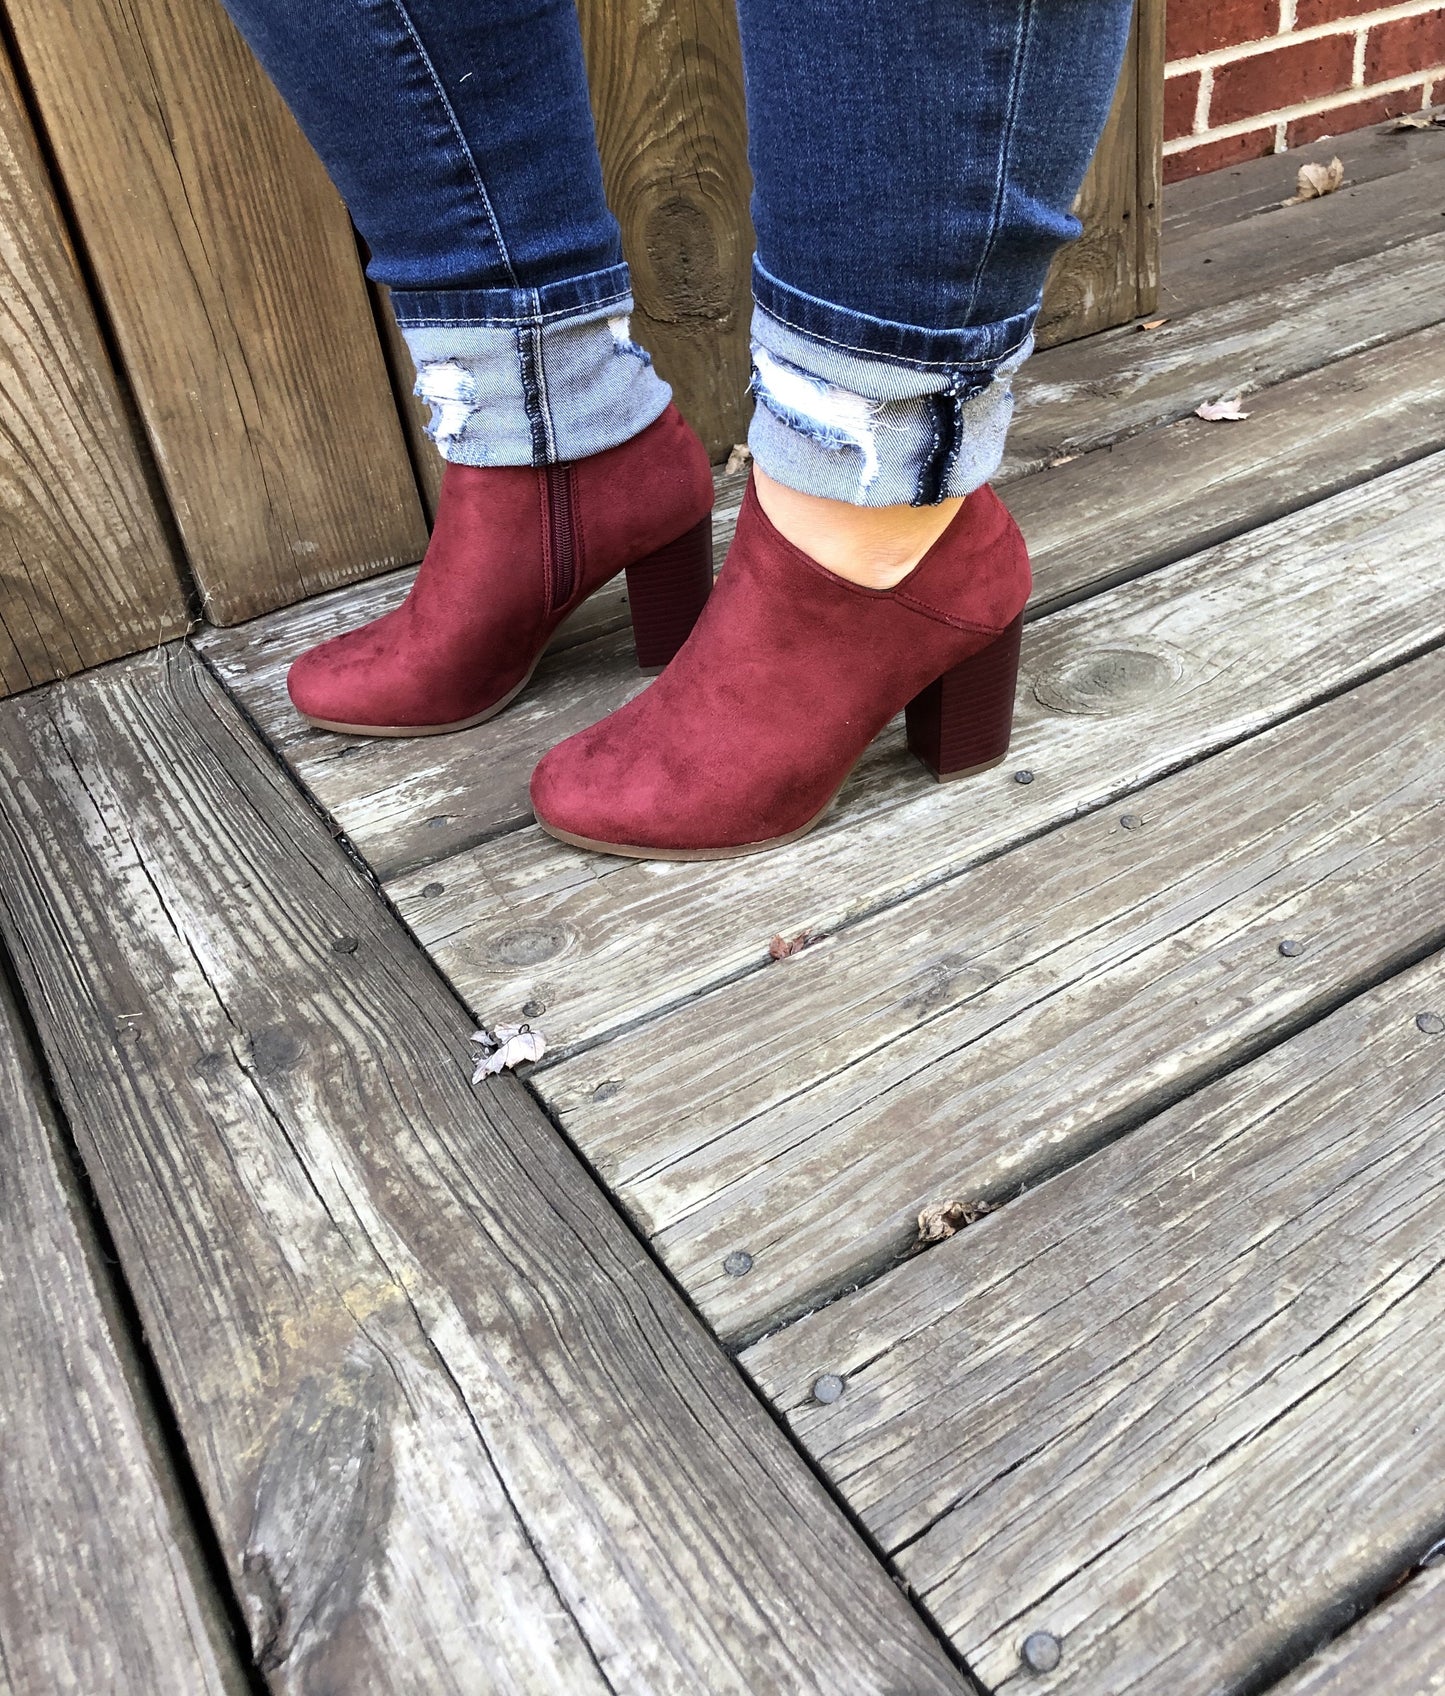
(1433, 119)
(782, 949)
(1152, 323)
(739, 459)
(1315, 180)
(1221, 411)
(946, 1218)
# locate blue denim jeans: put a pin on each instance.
(914, 166)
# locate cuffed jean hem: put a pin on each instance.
(866, 423)
(530, 376)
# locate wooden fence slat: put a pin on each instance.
(415, 413)
(1111, 274)
(101, 1585)
(970, 1040)
(667, 96)
(1393, 1651)
(1180, 1407)
(230, 277)
(455, 1430)
(87, 568)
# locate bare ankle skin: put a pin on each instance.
(875, 546)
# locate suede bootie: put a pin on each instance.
(791, 672)
(513, 551)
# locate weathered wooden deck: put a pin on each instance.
(321, 1370)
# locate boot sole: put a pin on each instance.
(634, 851)
(398, 730)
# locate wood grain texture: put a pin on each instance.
(1112, 385)
(964, 1044)
(410, 803)
(87, 566)
(101, 1585)
(1115, 692)
(667, 95)
(415, 413)
(1181, 1406)
(1215, 199)
(229, 274)
(1111, 274)
(1208, 263)
(1393, 1651)
(454, 1429)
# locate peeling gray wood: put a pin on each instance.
(1179, 1407)
(984, 1033)
(1393, 1651)
(405, 803)
(1115, 692)
(102, 1588)
(455, 1431)
(1113, 385)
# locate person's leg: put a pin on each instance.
(914, 168)
(903, 244)
(460, 136)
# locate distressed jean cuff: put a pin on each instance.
(530, 376)
(843, 411)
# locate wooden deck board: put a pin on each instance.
(1395, 1651)
(1116, 691)
(1178, 1401)
(1179, 1407)
(454, 1429)
(965, 1043)
(1113, 385)
(102, 1588)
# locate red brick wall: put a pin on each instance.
(1248, 77)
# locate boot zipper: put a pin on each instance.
(561, 536)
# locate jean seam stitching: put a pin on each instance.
(543, 400)
(578, 312)
(457, 131)
(1010, 126)
(895, 359)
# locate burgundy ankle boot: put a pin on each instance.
(513, 551)
(791, 672)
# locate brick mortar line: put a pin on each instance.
(1363, 21)
(1305, 109)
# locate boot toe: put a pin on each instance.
(328, 685)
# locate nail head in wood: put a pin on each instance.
(533, 1009)
(1042, 1651)
(738, 1264)
(1130, 821)
(1431, 1023)
(1024, 776)
(430, 889)
(828, 1388)
(345, 945)
(1291, 948)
